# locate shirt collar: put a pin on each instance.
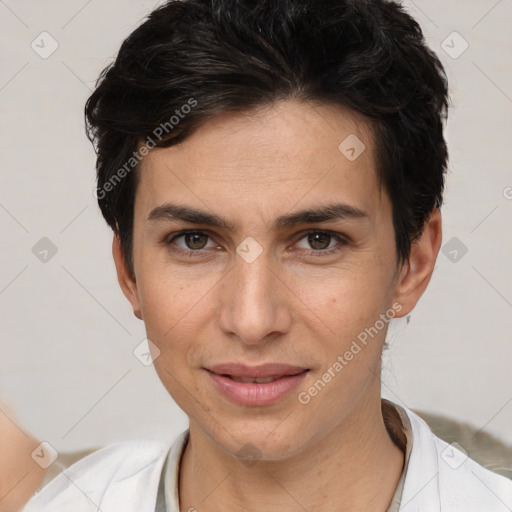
(418, 484)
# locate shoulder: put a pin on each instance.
(122, 476)
(466, 485)
(443, 474)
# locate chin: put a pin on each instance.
(268, 440)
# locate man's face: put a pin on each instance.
(258, 292)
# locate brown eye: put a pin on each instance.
(195, 240)
(319, 241)
(190, 243)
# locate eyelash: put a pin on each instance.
(318, 253)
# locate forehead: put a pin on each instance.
(265, 160)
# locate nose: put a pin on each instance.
(254, 302)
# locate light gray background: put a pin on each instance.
(67, 332)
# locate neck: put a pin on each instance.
(355, 467)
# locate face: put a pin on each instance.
(241, 275)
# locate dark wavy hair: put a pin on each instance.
(234, 55)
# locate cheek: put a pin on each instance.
(345, 298)
(177, 308)
(162, 306)
(168, 295)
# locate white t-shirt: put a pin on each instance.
(125, 477)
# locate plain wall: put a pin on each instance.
(67, 333)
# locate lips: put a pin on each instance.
(251, 380)
(262, 373)
(256, 386)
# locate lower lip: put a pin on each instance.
(255, 394)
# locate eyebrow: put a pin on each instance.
(337, 211)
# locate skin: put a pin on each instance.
(20, 476)
(290, 305)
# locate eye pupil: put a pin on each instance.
(192, 242)
(313, 238)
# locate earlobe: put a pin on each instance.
(126, 282)
(416, 272)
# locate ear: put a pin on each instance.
(416, 272)
(126, 282)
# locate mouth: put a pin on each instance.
(259, 380)
(256, 386)
(260, 374)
